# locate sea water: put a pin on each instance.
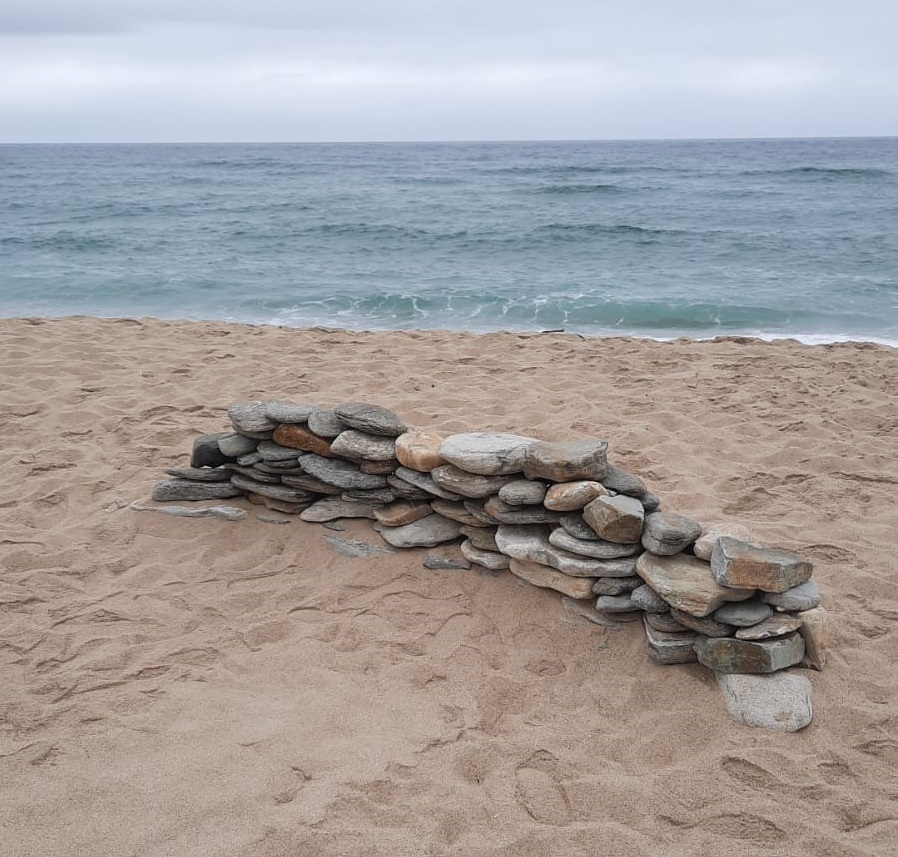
(770, 238)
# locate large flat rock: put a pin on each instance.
(426, 532)
(596, 548)
(566, 461)
(669, 647)
(616, 519)
(372, 419)
(667, 533)
(343, 474)
(486, 453)
(420, 450)
(782, 701)
(738, 563)
(185, 489)
(466, 484)
(357, 445)
(550, 578)
(729, 655)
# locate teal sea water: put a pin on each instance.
(703, 238)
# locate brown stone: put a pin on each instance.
(402, 512)
(456, 512)
(616, 519)
(775, 626)
(570, 496)
(488, 559)
(743, 565)
(566, 461)
(729, 655)
(705, 544)
(299, 437)
(549, 578)
(815, 631)
(702, 624)
(420, 450)
(379, 468)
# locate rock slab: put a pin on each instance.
(740, 564)
(486, 453)
(729, 655)
(782, 701)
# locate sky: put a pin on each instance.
(292, 70)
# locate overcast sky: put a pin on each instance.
(246, 70)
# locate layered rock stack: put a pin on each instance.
(555, 514)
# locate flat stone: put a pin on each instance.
(616, 585)
(251, 417)
(420, 450)
(570, 496)
(354, 548)
(426, 483)
(269, 451)
(566, 461)
(478, 509)
(299, 437)
(199, 474)
(616, 603)
(579, 529)
(686, 583)
(379, 468)
(667, 533)
(815, 631)
(287, 412)
(465, 484)
(332, 508)
(486, 453)
(669, 647)
(372, 419)
(483, 537)
(233, 445)
(523, 492)
(704, 545)
(406, 490)
(279, 468)
(275, 492)
(343, 474)
(426, 532)
(226, 513)
(702, 624)
(743, 614)
(184, 489)
(776, 626)
(402, 512)
(488, 559)
(250, 458)
(549, 578)
(531, 544)
(616, 519)
(370, 495)
(645, 598)
(356, 445)
(253, 473)
(445, 563)
(665, 622)
(729, 655)
(324, 422)
(597, 548)
(587, 610)
(782, 701)
(623, 482)
(206, 452)
(740, 564)
(310, 483)
(519, 514)
(277, 505)
(803, 597)
(455, 512)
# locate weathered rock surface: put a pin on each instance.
(622, 603)
(464, 484)
(702, 624)
(486, 453)
(597, 548)
(669, 647)
(372, 419)
(729, 655)
(357, 445)
(426, 532)
(616, 519)
(325, 423)
(570, 496)
(705, 543)
(253, 473)
(478, 509)
(279, 468)
(531, 544)
(815, 631)
(370, 495)
(251, 417)
(456, 512)
(420, 450)
(651, 502)
(425, 482)
(406, 490)
(781, 701)
(275, 492)
(343, 474)
(226, 513)
(616, 585)
(740, 564)
(587, 610)
(299, 437)
(276, 505)
(519, 514)
(667, 533)
(623, 482)
(287, 412)
(234, 445)
(251, 458)
(310, 483)
(445, 563)
(199, 474)
(483, 537)
(488, 559)
(379, 468)
(743, 614)
(775, 626)
(332, 508)
(523, 492)
(271, 452)
(645, 598)
(566, 461)
(666, 622)
(402, 512)
(686, 583)
(184, 489)
(579, 529)
(803, 597)
(549, 578)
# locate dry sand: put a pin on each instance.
(180, 686)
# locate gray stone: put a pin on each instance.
(586, 610)
(488, 559)
(443, 563)
(251, 417)
(579, 529)
(458, 481)
(704, 545)
(250, 458)
(486, 453)
(267, 518)
(740, 564)
(651, 503)
(332, 508)
(425, 482)
(353, 548)
(616, 519)
(426, 532)
(287, 412)
(523, 492)
(380, 468)
(645, 598)
(325, 423)
(667, 533)
(274, 452)
(253, 473)
(616, 603)
(776, 626)
(803, 597)
(686, 583)
(481, 537)
(456, 512)
(597, 548)
(199, 474)
(782, 701)
(743, 614)
(519, 514)
(543, 576)
(343, 474)
(184, 489)
(665, 622)
(729, 655)
(357, 445)
(310, 483)
(206, 452)
(616, 585)
(667, 647)
(702, 624)
(406, 490)
(571, 496)
(478, 509)
(372, 419)
(281, 468)
(227, 513)
(623, 482)
(233, 445)
(370, 495)
(566, 461)
(275, 492)
(815, 631)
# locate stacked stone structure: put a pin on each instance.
(555, 514)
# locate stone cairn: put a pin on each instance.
(557, 515)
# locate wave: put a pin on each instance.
(568, 189)
(831, 173)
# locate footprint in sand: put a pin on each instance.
(542, 797)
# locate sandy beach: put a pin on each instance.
(180, 686)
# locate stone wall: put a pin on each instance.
(557, 515)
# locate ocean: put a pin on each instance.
(769, 238)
